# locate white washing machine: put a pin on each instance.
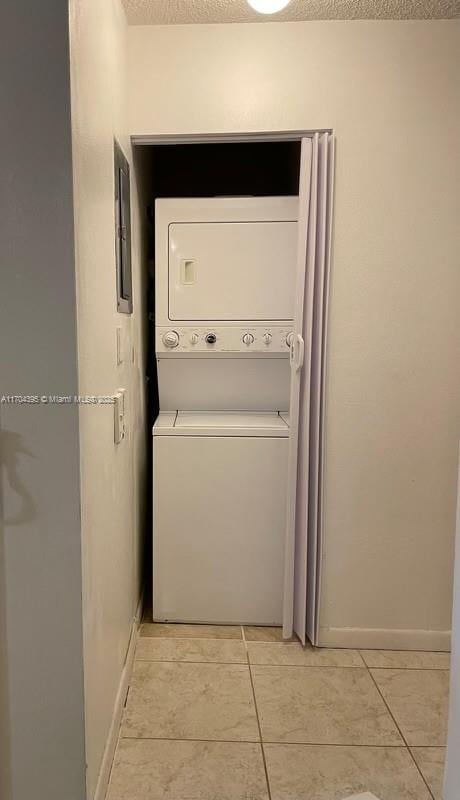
(220, 514)
(223, 317)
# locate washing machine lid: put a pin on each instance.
(221, 423)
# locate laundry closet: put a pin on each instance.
(227, 266)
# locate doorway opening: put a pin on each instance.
(253, 168)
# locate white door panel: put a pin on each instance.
(317, 382)
(305, 466)
(296, 547)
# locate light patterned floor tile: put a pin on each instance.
(431, 763)
(362, 796)
(179, 631)
(405, 659)
(330, 705)
(293, 654)
(304, 772)
(418, 700)
(180, 770)
(223, 651)
(190, 701)
(263, 633)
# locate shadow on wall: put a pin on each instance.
(11, 449)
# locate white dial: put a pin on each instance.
(194, 338)
(267, 338)
(289, 339)
(248, 338)
(171, 339)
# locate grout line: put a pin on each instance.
(192, 638)
(354, 745)
(189, 661)
(401, 746)
(253, 663)
(359, 650)
(182, 739)
(127, 695)
(396, 652)
(401, 734)
(308, 666)
(389, 650)
(411, 669)
(427, 746)
(363, 660)
(259, 727)
(119, 738)
(112, 766)
(244, 641)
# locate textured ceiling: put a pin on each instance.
(180, 12)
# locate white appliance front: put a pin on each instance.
(225, 260)
(219, 517)
(227, 271)
(224, 299)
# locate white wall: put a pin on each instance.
(390, 91)
(42, 752)
(112, 476)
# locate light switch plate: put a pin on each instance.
(119, 416)
(119, 347)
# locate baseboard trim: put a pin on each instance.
(383, 639)
(112, 739)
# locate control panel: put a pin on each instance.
(259, 339)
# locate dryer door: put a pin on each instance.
(232, 270)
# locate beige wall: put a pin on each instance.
(113, 493)
(390, 91)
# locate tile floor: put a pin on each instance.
(230, 713)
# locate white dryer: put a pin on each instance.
(220, 514)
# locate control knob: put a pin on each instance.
(289, 339)
(248, 338)
(210, 338)
(171, 339)
(194, 338)
(267, 338)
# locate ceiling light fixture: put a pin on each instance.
(268, 6)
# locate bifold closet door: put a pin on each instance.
(307, 354)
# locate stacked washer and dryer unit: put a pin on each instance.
(223, 317)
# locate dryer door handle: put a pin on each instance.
(297, 352)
